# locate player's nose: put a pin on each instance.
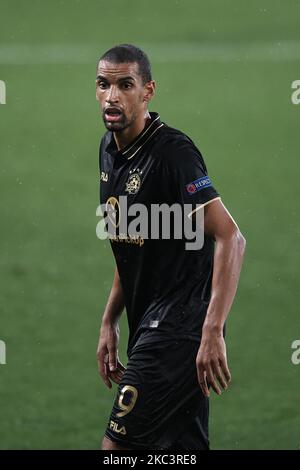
(113, 95)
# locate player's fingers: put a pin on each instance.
(120, 366)
(225, 369)
(102, 366)
(100, 360)
(202, 381)
(120, 372)
(211, 379)
(115, 377)
(106, 377)
(117, 373)
(112, 356)
(218, 374)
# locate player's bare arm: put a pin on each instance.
(211, 359)
(110, 368)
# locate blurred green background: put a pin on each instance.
(224, 71)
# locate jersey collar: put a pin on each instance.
(133, 148)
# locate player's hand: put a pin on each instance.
(211, 363)
(110, 368)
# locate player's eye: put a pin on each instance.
(102, 85)
(127, 85)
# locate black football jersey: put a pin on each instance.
(166, 287)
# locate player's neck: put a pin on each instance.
(123, 138)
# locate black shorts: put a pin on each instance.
(159, 404)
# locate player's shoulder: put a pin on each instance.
(173, 137)
(176, 146)
(105, 140)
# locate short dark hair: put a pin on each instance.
(127, 53)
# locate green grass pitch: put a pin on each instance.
(224, 72)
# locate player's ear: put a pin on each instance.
(96, 91)
(149, 88)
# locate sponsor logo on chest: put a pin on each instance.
(104, 176)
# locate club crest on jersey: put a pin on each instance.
(133, 183)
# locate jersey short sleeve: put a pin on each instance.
(187, 173)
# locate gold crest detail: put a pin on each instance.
(133, 183)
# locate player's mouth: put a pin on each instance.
(113, 114)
